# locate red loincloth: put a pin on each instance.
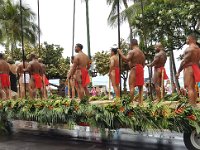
(165, 74)
(139, 81)
(38, 81)
(196, 71)
(117, 75)
(85, 77)
(5, 81)
(46, 81)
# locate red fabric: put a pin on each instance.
(196, 71)
(85, 77)
(5, 81)
(38, 81)
(139, 75)
(46, 81)
(165, 74)
(117, 75)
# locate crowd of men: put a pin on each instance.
(32, 74)
(135, 58)
(31, 77)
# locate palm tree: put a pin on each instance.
(88, 27)
(10, 25)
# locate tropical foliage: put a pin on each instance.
(10, 25)
(111, 116)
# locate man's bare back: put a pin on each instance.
(161, 59)
(34, 67)
(81, 60)
(116, 60)
(4, 67)
(136, 57)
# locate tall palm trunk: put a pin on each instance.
(174, 71)
(129, 21)
(88, 28)
(171, 72)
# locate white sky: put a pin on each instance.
(56, 18)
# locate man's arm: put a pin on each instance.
(125, 58)
(155, 61)
(73, 69)
(186, 59)
(28, 69)
(89, 64)
(112, 64)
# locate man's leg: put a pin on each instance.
(157, 83)
(6, 90)
(114, 85)
(140, 94)
(132, 83)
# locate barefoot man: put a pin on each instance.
(136, 62)
(159, 70)
(45, 81)
(114, 72)
(191, 70)
(4, 78)
(72, 80)
(23, 80)
(80, 68)
(35, 70)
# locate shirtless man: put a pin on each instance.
(114, 72)
(72, 79)
(35, 70)
(80, 68)
(23, 80)
(136, 62)
(159, 70)
(4, 78)
(191, 70)
(45, 81)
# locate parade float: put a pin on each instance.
(172, 114)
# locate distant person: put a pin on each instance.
(168, 88)
(45, 81)
(191, 69)
(114, 72)
(4, 78)
(13, 77)
(80, 68)
(159, 64)
(94, 91)
(23, 79)
(136, 62)
(35, 70)
(72, 80)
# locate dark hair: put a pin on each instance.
(193, 37)
(80, 46)
(1, 55)
(32, 56)
(114, 50)
(134, 42)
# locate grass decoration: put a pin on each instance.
(181, 118)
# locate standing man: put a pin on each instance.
(72, 80)
(159, 70)
(23, 80)
(45, 81)
(4, 78)
(114, 72)
(80, 68)
(35, 70)
(136, 62)
(191, 69)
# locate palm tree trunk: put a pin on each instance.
(88, 28)
(129, 22)
(174, 71)
(171, 72)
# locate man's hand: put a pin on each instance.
(148, 65)
(119, 51)
(177, 75)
